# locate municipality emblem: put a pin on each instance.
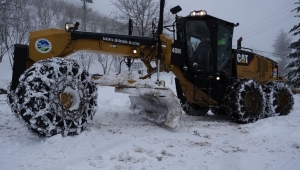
(43, 45)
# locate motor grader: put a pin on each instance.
(54, 95)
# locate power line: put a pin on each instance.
(272, 15)
(272, 26)
(267, 52)
(274, 20)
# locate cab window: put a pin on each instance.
(223, 47)
(199, 46)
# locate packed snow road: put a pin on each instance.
(121, 139)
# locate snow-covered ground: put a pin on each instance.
(121, 139)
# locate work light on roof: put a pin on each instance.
(198, 13)
(71, 27)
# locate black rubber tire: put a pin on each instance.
(189, 108)
(11, 100)
(245, 101)
(194, 110)
(37, 101)
(279, 98)
(218, 110)
(2, 91)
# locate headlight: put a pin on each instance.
(202, 12)
(198, 13)
(71, 27)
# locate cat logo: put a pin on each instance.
(242, 58)
(176, 50)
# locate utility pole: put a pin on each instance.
(85, 10)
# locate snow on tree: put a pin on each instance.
(293, 75)
(281, 49)
(85, 10)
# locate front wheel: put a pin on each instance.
(245, 101)
(55, 96)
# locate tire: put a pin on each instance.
(11, 100)
(218, 111)
(244, 101)
(194, 110)
(279, 98)
(55, 96)
(189, 108)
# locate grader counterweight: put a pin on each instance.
(52, 95)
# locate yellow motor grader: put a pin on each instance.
(52, 94)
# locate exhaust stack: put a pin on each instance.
(239, 43)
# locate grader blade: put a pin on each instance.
(159, 105)
(154, 107)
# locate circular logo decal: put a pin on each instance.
(43, 45)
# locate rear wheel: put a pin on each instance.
(189, 108)
(55, 96)
(279, 98)
(245, 101)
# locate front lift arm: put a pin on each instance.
(64, 43)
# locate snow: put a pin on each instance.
(121, 139)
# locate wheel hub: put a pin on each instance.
(66, 100)
(282, 101)
(251, 103)
(70, 98)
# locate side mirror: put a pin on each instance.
(175, 9)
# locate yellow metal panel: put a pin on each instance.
(248, 71)
(47, 43)
(188, 89)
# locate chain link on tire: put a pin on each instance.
(245, 101)
(279, 98)
(37, 100)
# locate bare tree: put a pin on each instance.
(15, 25)
(68, 13)
(106, 62)
(142, 12)
(19, 18)
(86, 59)
(85, 10)
(118, 63)
(46, 13)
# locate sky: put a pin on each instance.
(260, 21)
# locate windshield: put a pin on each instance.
(199, 46)
(224, 47)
